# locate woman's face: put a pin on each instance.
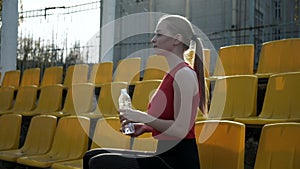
(162, 39)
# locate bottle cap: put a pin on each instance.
(124, 90)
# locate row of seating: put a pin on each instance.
(48, 142)
(128, 70)
(79, 100)
(277, 56)
(221, 143)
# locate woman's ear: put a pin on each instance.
(178, 39)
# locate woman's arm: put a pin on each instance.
(185, 87)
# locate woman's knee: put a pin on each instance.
(113, 161)
(90, 154)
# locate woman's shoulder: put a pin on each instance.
(186, 75)
(186, 80)
(186, 72)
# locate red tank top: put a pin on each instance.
(162, 104)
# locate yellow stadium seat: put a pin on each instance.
(107, 135)
(6, 98)
(128, 70)
(72, 164)
(38, 140)
(70, 143)
(279, 147)
(11, 79)
(235, 60)
(143, 92)
(76, 74)
(31, 77)
(52, 75)
(108, 100)
(281, 101)
(10, 131)
(279, 56)
(221, 144)
(50, 100)
(25, 100)
(79, 100)
(234, 96)
(156, 68)
(145, 142)
(101, 73)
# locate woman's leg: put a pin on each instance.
(91, 153)
(183, 154)
(113, 161)
(94, 152)
(126, 161)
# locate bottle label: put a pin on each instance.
(123, 105)
(128, 128)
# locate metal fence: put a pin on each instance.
(58, 41)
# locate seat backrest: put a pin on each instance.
(6, 98)
(31, 77)
(10, 131)
(221, 144)
(76, 74)
(279, 56)
(101, 73)
(235, 60)
(79, 99)
(108, 98)
(128, 70)
(11, 78)
(50, 99)
(39, 135)
(107, 134)
(143, 92)
(279, 146)
(234, 96)
(52, 75)
(282, 96)
(71, 138)
(156, 68)
(25, 99)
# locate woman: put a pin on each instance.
(172, 110)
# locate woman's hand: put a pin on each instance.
(139, 119)
(133, 115)
(139, 128)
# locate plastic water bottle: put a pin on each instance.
(125, 103)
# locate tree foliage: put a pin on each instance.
(35, 53)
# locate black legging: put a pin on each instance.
(183, 155)
(122, 159)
